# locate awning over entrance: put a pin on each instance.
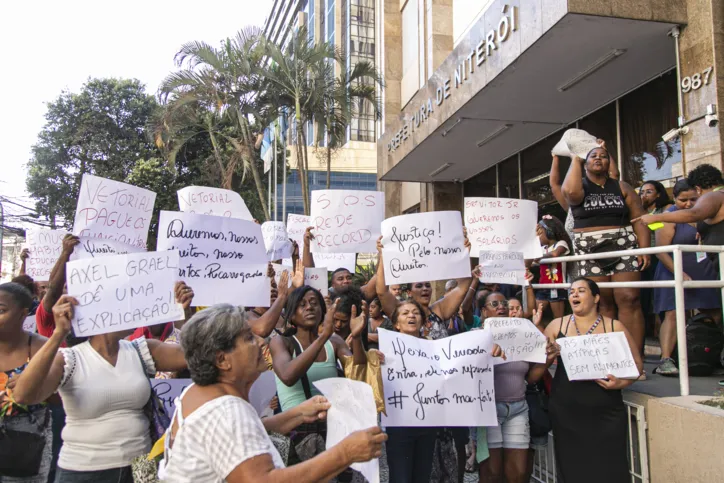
(487, 102)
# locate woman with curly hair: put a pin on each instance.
(556, 243)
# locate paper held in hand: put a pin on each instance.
(596, 356)
(519, 339)
(276, 240)
(502, 267)
(222, 259)
(113, 210)
(353, 409)
(346, 221)
(424, 246)
(95, 247)
(333, 261)
(213, 201)
(44, 247)
(445, 382)
(123, 292)
(501, 224)
(575, 142)
(296, 226)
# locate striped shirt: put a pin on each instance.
(216, 438)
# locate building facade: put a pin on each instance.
(352, 25)
(477, 93)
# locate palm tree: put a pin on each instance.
(345, 97)
(297, 83)
(226, 82)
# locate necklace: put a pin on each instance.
(593, 327)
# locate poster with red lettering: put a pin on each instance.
(502, 224)
(113, 210)
(346, 221)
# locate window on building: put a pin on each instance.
(481, 185)
(645, 115)
(362, 49)
(508, 178)
(410, 53)
(310, 19)
(330, 21)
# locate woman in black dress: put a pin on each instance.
(589, 417)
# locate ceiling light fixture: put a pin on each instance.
(440, 170)
(614, 54)
(494, 134)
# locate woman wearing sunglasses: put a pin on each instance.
(510, 441)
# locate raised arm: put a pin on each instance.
(356, 324)
(45, 370)
(24, 254)
(184, 296)
(706, 207)
(387, 300)
(289, 370)
(450, 303)
(307, 258)
(467, 304)
(556, 183)
(57, 274)
(264, 325)
(573, 184)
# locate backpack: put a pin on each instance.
(704, 344)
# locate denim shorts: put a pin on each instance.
(513, 430)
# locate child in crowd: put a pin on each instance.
(556, 243)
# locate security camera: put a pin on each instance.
(671, 135)
(711, 120)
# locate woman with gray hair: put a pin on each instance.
(216, 435)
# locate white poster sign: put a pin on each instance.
(276, 240)
(502, 224)
(113, 210)
(95, 247)
(296, 226)
(353, 409)
(333, 261)
(575, 142)
(263, 391)
(424, 246)
(222, 259)
(346, 221)
(279, 268)
(29, 323)
(519, 339)
(168, 390)
(445, 382)
(213, 201)
(45, 247)
(502, 267)
(317, 278)
(596, 356)
(123, 292)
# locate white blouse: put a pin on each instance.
(213, 440)
(105, 425)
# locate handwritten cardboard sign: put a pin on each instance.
(346, 221)
(445, 382)
(314, 277)
(333, 261)
(123, 292)
(424, 246)
(296, 226)
(276, 240)
(519, 339)
(596, 356)
(95, 247)
(45, 247)
(502, 267)
(260, 394)
(502, 224)
(222, 259)
(113, 210)
(213, 201)
(353, 409)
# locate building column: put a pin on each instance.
(439, 32)
(701, 45)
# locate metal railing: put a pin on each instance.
(544, 462)
(678, 285)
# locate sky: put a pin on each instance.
(52, 45)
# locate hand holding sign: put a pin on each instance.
(63, 313)
(519, 339)
(346, 221)
(597, 356)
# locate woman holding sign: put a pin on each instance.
(305, 354)
(604, 214)
(104, 386)
(589, 417)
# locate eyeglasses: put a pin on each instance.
(497, 303)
